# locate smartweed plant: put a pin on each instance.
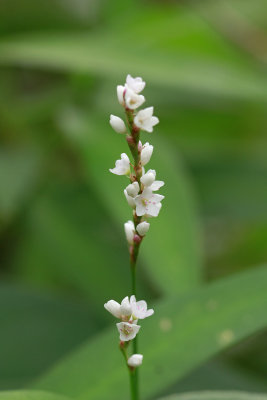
(144, 203)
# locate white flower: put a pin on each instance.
(133, 189)
(122, 166)
(145, 120)
(126, 308)
(135, 84)
(148, 203)
(117, 124)
(143, 228)
(139, 309)
(120, 91)
(135, 360)
(114, 308)
(129, 199)
(148, 178)
(129, 231)
(146, 153)
(127, 331)
(133, 100)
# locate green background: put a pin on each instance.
(62, 248)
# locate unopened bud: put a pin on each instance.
(133, 189)
(146, 153)
(143, 228)
(148, 178)
(135, 360)
(137, 239)
(117, 124)
(129, 231)
(120, 91)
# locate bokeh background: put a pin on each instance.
(62, 246)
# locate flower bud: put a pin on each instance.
(120, 91)
(137, 239)
(133, 189)
(129, 231)
(143, 228)
(114, 308)
(135, 360)
(146, 153)
(117, 124)
(148, 178)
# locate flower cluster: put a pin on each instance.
(140, 193)
(141, 197)
(129, 312)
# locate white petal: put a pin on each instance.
(127, 331)
(122, 166)
(136, 84)
(133, 100)
(156, 185)
(120, 91)
(129, 199)
(114, 308)
(129, 231)
(146, 153)
(126, 308)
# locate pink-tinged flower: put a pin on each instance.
(148, 203)
(127, 331)
(139, 309)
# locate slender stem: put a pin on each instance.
(133, 141)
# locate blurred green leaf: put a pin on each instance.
(184, 332)
(19, 172)
(30, 395)
(180, 51)
(69, 238)
(217, 396)
(36, 330)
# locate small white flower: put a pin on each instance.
(133, 189)
(135, 84)
(139, 309)
(143, 228)
(126, 308)
(146, 153)
(127, 331)
(148, 203)
(145, 120)
(133, 100)
(120, 91)
(130, 200)
(129, 231)
(135, 360)
(148, 178)
(122, 166)
(114, 308)
(117, 124)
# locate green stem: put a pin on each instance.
(134, 387)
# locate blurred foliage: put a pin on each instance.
(63, 252)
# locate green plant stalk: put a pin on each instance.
(133, 141)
